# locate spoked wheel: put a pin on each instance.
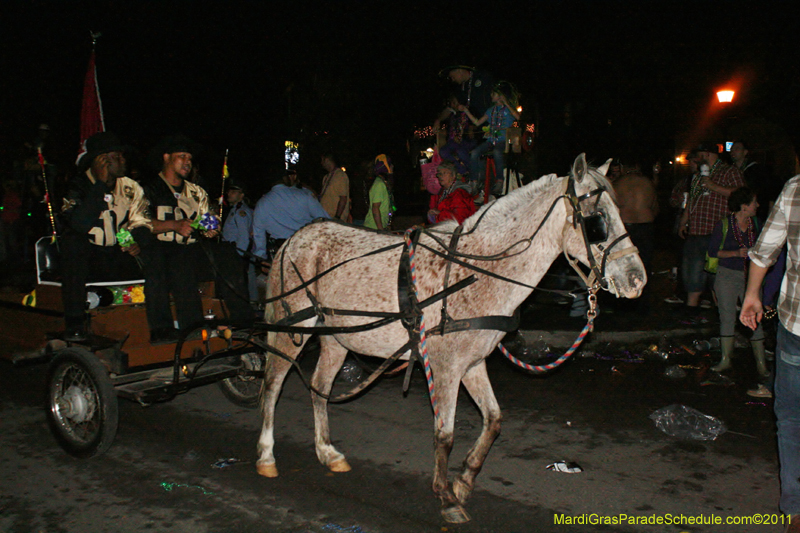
(244, 390)
(82, 407)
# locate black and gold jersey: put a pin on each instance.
(91, 208)
(188, 201)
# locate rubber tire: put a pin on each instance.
(234, 390)
(83, 365)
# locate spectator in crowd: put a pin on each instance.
(453, 202)
(777, 232)
(379, 214)
(730, 241)
(707, 204)
(757, 177)
(335, 193)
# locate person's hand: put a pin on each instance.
(183, 227)
(133, 249)
(742, 252)
(211, 233)
(682, 231)
(266, 266)
(752, 312)
(462, 108)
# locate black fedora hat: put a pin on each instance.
(446, 70)
(99, 144)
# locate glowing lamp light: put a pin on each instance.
(519, 109)
(725, 97)
(680, 159)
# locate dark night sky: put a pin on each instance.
(245, 74)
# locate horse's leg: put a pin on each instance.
(476, 381)
(274, 375)
(331, 357)
(447, 386)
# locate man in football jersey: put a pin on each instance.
(182, 254)
(99, 203)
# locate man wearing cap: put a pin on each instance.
(707, 204)
(281, 212)
(238, 229)
(474, 87)
(335, 194)
(178, 259)
(100, 202)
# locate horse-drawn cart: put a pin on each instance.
(85, 379)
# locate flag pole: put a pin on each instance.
(47, 194)
(224, 177)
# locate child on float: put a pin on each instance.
(459, 138)
(500, 117)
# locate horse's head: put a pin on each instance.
(596, 235)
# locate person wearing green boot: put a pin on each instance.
(732, 237)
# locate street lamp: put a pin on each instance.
(725, 96)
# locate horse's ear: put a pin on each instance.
(579, 168)
(604, 169)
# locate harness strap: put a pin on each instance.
(286, 324)
(451, 249)
(494, 322)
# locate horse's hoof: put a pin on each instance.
(267, 469)
(339, 465)
(455, 514)
(461, 490)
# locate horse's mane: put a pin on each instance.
(496, 214)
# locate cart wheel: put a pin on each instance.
(82, 407)
(244, 390)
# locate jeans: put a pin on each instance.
(787, 411)
(694, 258)
(498, 150)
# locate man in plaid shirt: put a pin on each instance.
(782, 227)
(708, 203)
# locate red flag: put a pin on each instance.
(92, 108)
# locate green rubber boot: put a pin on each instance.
(726, 344)
(761, 357)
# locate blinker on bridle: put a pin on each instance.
(594, 228)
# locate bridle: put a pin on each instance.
(594, 230)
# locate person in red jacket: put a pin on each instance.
(453, 202)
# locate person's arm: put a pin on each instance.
(376, 214)
(472, 118)
(340, 207)
(446, 112)
(182, 227)
(729, 182)
(683, 230)
(752, 310)
(514, 112)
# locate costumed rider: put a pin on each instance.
(182, 254)
(99, 203)
(238, 229)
